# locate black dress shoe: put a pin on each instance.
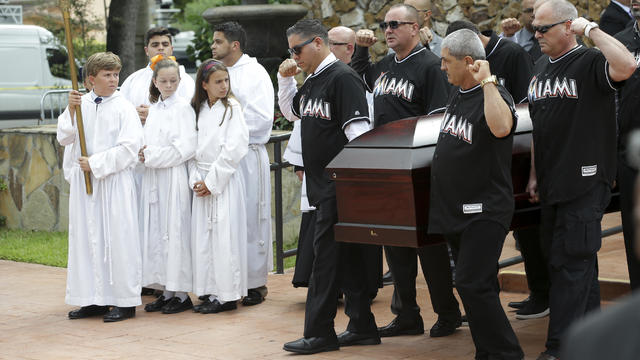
(214, 307)
(519, 304)
(397, 327)
(445, 327)
(147, 291)
(120, 313)
(349, 338)
(387, 278)
(205, 301)
(312, 345)
(203, 297)
(156, 305)
(255, 296)
(88, 311)
(175, 306)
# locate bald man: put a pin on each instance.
(342, 42)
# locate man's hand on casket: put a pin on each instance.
(365, 38)
(289, 68)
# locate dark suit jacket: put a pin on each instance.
(614, 19)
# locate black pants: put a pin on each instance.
(336, 265)
(304, 257)
(434, 259)
(626, 183)
(476, 251)
(535, 264)
(571, 238)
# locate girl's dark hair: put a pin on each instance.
(154, 93)
(205, 70)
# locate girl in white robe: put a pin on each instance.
(165, 199)
(219, 235)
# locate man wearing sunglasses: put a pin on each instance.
(406, 84)
(571, 102)
(332, 108)
(520, 30)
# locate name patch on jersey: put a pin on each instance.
(315, 108)
(472, 208)
(552, 88)
(589, 170)
(397, 87)
(458, 127)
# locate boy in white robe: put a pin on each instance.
(104, 265)
(252, 87)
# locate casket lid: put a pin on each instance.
(419, 131)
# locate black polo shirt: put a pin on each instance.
(404, 88)
(511, 64)
(629, 94)
(571, 102)
(471, 168)
(326, 103)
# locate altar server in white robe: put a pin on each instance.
(104, 263)
(252, 87)
(219, 223)
(165, 199)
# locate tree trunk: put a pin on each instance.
(121, 33)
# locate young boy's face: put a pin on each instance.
(105, 82)
(159, 44)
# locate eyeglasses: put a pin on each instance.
(544, 28)
(337, 43)
(393, 24)
(298, 48)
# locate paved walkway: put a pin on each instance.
(34, 324)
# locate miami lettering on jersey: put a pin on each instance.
(315, 108)
(552, 88)
(397, 87)
(458, 127)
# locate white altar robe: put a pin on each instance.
(219, 225)
(136, 86)
(165, 197)
(251, 85)
(104, 266)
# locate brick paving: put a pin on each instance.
(34, 324)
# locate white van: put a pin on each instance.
(32, 63)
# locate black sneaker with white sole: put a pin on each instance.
(533, 310)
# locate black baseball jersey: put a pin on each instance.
(403, 88)
(326, 103)
(471, 168)
(571, 102)
(511, 64)
(629, 94)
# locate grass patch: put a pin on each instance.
(38, 247)
(50, 248)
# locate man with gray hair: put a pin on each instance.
(571, 102)
(476, 137)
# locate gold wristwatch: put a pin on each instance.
(490, 79)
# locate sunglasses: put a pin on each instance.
(527, 10)
(298, 48)
(393, 24)
(544, 28)
(337, 43)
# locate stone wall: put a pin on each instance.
(31, 165)
(358, 14)
(37, 197)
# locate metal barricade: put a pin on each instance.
(57, 102)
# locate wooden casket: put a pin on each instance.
(383, 178)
